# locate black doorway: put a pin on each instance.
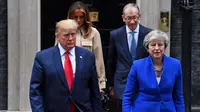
(110, 12)
(52, 11)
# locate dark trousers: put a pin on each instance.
(119, 105)
(113, 105)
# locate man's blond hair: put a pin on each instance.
(66, 24)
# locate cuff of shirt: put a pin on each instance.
(102, 85)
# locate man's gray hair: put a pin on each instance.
(155, 35)
(131, 5)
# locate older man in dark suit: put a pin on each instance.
(64, 77)
(125, 47)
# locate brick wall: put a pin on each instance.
(196, 54)
(3, 55)
(175, 49)
(176, 25)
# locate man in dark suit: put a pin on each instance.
(64, 77)
(125, 47)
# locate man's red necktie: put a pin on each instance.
(69, 76)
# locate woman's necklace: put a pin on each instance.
(158, 69)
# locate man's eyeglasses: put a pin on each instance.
(129, 18)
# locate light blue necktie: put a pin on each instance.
(133, 45)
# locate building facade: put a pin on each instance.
(27, 26)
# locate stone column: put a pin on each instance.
(165, 6)
(23, 43)
(150, 13)
(13, 55)
(150, 10)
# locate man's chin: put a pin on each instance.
(132, 27)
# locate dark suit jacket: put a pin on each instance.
(167, 96)
(119, 58)
(49, 89)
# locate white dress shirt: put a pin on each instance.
(72, 56)
(129, 36)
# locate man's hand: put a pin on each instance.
(111, 90)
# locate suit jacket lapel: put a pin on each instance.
(140, 40)
(124, 44)
(78, 59)
(152, 72)
(58, 65)
(164, 73)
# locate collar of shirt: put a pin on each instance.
(129, 30)
(129, 35)
(62, 50)
(71, 56)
